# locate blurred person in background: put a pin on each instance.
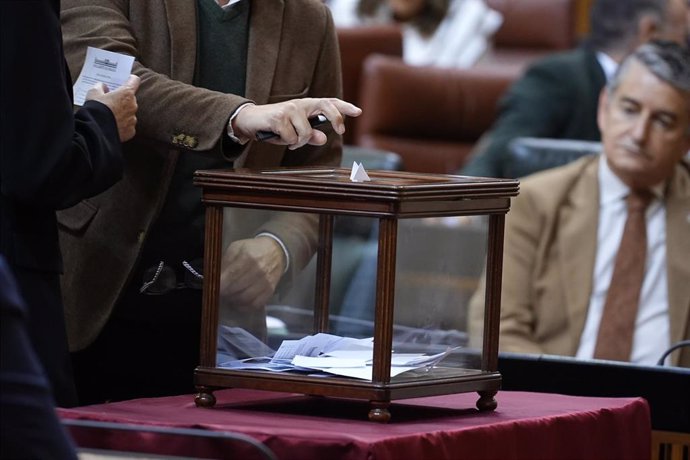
(441, 33)
(557, 97)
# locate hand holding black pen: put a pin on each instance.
(314, 122)
(292, 122)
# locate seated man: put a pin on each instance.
(557, 96)
(567, 288)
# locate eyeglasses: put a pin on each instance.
(162, 278)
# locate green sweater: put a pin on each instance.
(221, 66)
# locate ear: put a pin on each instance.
(687, 143)
(647, 28)
(601, 109)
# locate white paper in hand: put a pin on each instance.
(358, 173)
(103, 66)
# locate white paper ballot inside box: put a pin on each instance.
(101, 66)
(358, 173)
(319, 353)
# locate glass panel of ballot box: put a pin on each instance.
(317, 284)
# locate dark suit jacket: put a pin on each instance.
(29, 427)
(50, 158)
(556, 98)
(292, 53)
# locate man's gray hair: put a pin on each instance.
(667, 60)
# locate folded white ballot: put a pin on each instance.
(358, 173)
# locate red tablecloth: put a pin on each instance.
(525, 426)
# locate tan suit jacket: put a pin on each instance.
(292, 53)
(550, 250)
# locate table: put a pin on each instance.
(525, 425)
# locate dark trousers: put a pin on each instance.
(46, 326)
(149, 347)
(29, 427)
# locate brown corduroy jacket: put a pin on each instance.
(292, 53)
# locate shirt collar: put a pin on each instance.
(607, 64)
(229, 4)
(611, 188)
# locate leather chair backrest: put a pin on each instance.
(531, 29)
(371, 159)
(430, 116)
(356, 43)
(527, 155)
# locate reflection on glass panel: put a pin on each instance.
(253, 277)
(438, 265)
(354, 245)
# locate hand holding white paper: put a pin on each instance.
(112, 69)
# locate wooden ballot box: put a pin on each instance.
(316, 202)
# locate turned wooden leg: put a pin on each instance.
(486, 401)
(379, 412)
(204, 397)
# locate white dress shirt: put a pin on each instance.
(228, 4)
(607, 64)
(652, 335)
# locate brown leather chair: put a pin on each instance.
(356, 44)
(531, 29)
(430, 116)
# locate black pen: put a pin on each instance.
(314, 121)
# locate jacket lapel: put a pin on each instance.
(678, 254)
(577, 241)
(264, 45)
(182, 18)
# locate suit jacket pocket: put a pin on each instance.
(273, 98)
(77, 218)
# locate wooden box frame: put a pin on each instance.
(389, 196)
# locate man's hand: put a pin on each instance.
(289, 120)
(122, 102)
(251, 270)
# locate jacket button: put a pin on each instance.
(191, 142)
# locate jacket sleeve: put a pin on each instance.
(50, 157)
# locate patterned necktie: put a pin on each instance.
(617, 327)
